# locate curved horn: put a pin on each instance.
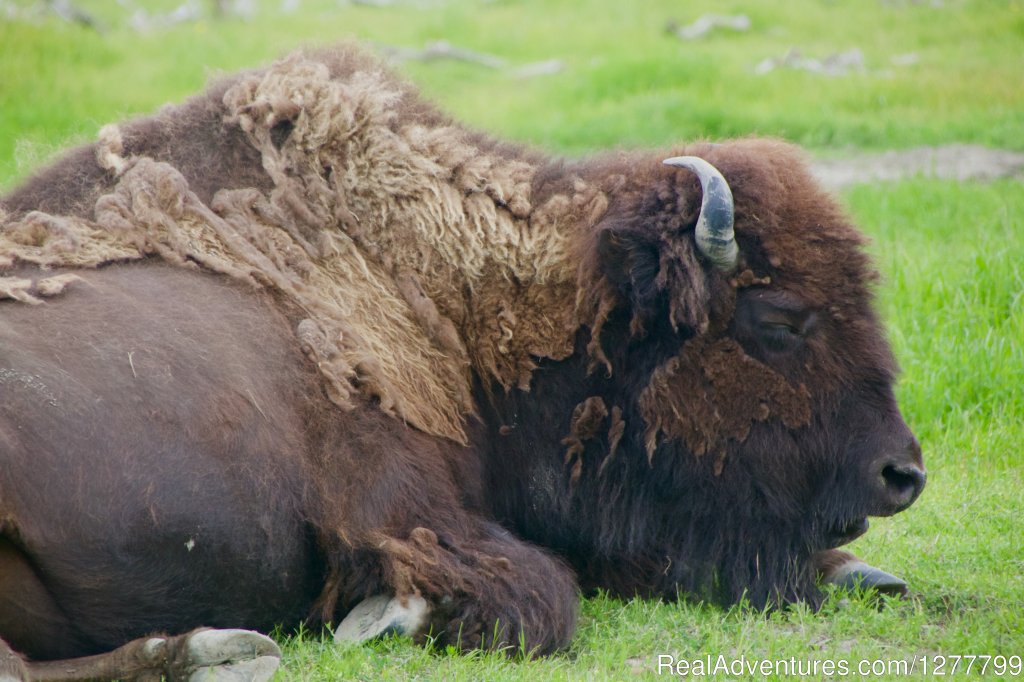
(714, 234)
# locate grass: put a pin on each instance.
(951, 256)
(625, 82)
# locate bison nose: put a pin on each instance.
(902, 479)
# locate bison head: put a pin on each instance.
(732, 315)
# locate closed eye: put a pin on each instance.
(779, 337)
(774, 323)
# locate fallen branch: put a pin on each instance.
(534, 69)
(243, 9)
(708, 23)
(835, 64)
(442, 49)
(70, 12)
(141, 20)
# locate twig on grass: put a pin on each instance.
(68, 11)
(835, 64)
(442, 49)
(141, 20)
(708, 23)
(533, 69)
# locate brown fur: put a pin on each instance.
(567, 365)
(371, 214)
(418, 252)
(712, 391)
(587, 418)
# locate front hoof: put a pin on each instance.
(230, 656)
(856, 574)
(257, 670)
(383, 615)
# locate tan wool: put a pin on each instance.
(414, 254)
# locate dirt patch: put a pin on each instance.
(952, 162)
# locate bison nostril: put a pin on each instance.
(903, 483)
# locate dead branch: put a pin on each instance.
(441, 49)
(708, 23)
(68, 11)
(835, 64)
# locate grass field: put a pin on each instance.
(952, 255)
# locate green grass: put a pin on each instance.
(626, 81)
(952, 256)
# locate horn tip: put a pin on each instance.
(679, 160)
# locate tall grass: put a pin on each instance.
(951, 254)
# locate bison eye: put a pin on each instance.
(783, 330)
(773, 322)
(780, 337)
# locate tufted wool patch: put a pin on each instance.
(414, 253)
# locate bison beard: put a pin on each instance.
(428, 365)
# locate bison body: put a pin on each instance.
(303, 342)
(151, 488)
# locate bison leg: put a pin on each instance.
(841, 568)
(33, 624)
(490, 590)
(201, 655)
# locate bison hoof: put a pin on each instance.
(383, 615)
(859, 575)
(231, 656)
(257, 670)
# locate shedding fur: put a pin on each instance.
(389, 235)
(712, 392)
(587, 418)
(33, 291)
(417, 255)
(615, 431)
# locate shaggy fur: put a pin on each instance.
(391, 231)
(395, 230)
(544, 383)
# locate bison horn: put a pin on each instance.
(714, 234)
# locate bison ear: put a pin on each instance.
(655, 277)
(630, 260)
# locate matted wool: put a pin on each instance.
(414, 255)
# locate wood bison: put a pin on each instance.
(304, 350)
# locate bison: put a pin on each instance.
(304, 350)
